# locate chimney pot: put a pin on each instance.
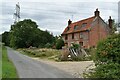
(69, 22)
(110, 22)
(97, 13)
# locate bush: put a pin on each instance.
(107, 58)
(109, 50)
(48, 45)
(75, 46)
(59, 44)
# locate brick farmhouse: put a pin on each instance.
(87, 32)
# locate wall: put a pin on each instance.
(98, 31)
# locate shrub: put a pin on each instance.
(75, 46)
(48, 45)
(107, 58)
(59, 43)
(109, 50)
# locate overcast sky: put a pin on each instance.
(52, 15)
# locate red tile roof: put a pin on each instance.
(79, 24)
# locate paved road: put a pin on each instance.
(29, 68)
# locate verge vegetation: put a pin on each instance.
(8, 68)
(43, 53)
(107, 59)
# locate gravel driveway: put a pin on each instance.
(74, 68)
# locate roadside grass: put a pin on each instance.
(8, 68)
(43, 53)
(0, 68)
(52, 54)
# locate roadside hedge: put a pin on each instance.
(107, 59)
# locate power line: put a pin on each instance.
(17, 13)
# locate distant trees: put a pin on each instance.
(6, 38)
(25, 34)
(114, 26)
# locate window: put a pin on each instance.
(83, 25)
(75, 27)
(81, 35)
(72, 35)
(86, 37)
(81, 43)
(66, 37)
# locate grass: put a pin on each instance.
(50, 54)
(43, 53)
(8, 69)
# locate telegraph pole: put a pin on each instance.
(17, 13)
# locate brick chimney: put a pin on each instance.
(110, 21)
(97, 13)
(69, 22)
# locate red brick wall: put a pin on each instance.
(90, 38)
(98, 32)
(77, 39)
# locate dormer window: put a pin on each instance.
(75, 27)
(84, 24)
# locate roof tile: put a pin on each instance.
(79, 24)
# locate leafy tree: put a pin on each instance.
(26, 33)
(6, 38)
(114, 26)
(59, 43)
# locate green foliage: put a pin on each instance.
(6, 38)
(59, 43)
(109, 50)
(48, 45)
(114, 26)
(26, 33)
(110, 70)
(75, 46)
(42, 53)
(8, 69)
(107, 59)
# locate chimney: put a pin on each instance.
(110, 22)
(97, 13)
(69, 22)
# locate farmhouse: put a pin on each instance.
(87, 32)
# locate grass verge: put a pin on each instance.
(8, 68)
(51, 54)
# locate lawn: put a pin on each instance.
(8, 69)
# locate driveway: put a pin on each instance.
(30, 68)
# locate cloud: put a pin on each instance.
(53, 15)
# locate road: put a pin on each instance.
(29, 68)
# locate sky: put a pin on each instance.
(53, 15)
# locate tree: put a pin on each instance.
(59, 43)
(6, 38)
(26, 33)
(114, 26)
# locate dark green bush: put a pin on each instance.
(48, 45)
(107, 58)
(109, 50)
(75, 46)
(59, 43)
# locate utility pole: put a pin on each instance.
(17, 13)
